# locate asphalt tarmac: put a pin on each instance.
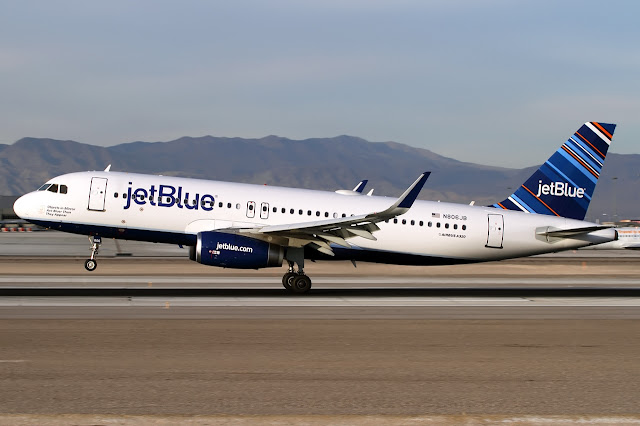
(164, 341)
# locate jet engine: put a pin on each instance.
(235, 251)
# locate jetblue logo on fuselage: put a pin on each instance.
(168, 196)
(559, 189)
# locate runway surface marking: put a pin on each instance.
(287, 301)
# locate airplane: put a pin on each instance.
(628, 239)
(236, 225)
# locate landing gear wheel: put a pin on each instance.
(301, 284)
(90, 265)
(287, 280)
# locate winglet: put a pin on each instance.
(108, 168)
(407, 199)
(360, 187)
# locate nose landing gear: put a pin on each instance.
(91, 264)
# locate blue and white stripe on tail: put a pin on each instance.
(564, 184)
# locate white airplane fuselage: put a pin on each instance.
(173, 210)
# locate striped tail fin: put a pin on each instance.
(564, 184)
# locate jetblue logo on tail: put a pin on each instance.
(559, 189)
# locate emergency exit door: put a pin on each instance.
(97, 194)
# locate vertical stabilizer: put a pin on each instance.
(564, 184)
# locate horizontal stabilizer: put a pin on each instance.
(568, 233)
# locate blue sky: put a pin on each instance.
(493, 82)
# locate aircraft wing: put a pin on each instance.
(318, 234)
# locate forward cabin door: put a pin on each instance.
(496, 231)
(97, 194)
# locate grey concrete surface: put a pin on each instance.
(320, 367)
(361, 350)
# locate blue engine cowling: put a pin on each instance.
(235, 251)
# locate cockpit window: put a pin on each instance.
(54, 187)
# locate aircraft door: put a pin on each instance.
(97, 194)
(251, 209)
(496, 231)
(264, 211)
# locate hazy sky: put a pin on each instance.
(493, 82)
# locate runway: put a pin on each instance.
(164, 337)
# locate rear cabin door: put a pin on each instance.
(496, 231)
(97, 194)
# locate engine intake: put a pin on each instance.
(235, 251)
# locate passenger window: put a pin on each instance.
(228, 205)
(292, 211)
(438, 225)
(413, 222)
(63, 189)
(326, 214)
(429, 224)
(220, 205)
(300, 211)
(115, 195)
(238, 206)
(395, 220)
(275, 210)
(421, 223)
(446, 225)
(455, 226)
(318, 214)
(53, 188)
(308, 212)
(464, 227)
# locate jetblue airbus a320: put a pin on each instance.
(236, 225)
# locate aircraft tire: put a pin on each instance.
(90, 265)
(287, 280)
(301, 284)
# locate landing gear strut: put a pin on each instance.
(91, 264)
(296, 281)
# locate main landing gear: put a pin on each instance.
(91, 264)
(296, 282)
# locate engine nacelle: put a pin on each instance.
(235, 251)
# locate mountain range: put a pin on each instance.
(320, 163)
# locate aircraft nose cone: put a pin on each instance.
(21, 207)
